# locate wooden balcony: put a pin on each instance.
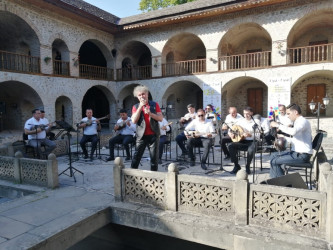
(60, 68)
(19, 63)
(95, 72)
(309, 54)
(184, 67)
(134, 73)
(245, 61)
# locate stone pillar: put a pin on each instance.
(156, 68)
(171, 187)
(212, 60)
(241, 190)
(52, 171)
(329, 211)
(17, 166)
(117, 178)
(74, 64)
(279, 53)
(46, 62)
(324, 170)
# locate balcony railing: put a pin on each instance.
(60, 68)
(184, 67)
(19, 63)
(96, 72)
(308, 54)
(134, 73)
(245, 61)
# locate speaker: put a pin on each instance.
(294, 180)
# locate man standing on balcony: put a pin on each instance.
(146, 114)
(301, 141)
(181, 138)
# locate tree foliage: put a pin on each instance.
(148, 5)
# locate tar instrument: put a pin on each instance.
(89, 122)
(238, 133)
(280, 144)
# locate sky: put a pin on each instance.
(119, 8)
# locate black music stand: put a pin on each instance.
(68, 128)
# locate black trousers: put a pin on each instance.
(206, 143)
(245, 145)
(121, 139)
(226, 139)
(152, 141)
(89, 138)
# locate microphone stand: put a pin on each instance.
(255, 127)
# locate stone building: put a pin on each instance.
(67, 55)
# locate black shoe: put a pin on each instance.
(110, 159)
(235, 170)
(127, 158)
(184, 153)
(159, 161)
(192, 163)
(227, 157)
(247, 169)
(203, 166)
(85, 157)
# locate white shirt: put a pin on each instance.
(301, 142)
(127, 130)
(230, 120)
(164, 123)
(205, 127)
(284, 119)
(30, 125)
(247, 126)
(190, 116)
(92, 129)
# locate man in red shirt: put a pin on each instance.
(146, 115)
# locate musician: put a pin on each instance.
(146, 114)
(301, 141)
(245, 142)
(203, 135)
(263, 131)
(283, 119)
(126, 129)
(36, 131)
(164, 128)
(90, 126)
(181, 138)
(45, 121)
(231, 119)
(210, 115)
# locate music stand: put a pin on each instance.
(68, 128)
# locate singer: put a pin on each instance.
(146, 114)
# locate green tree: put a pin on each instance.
(148, 5)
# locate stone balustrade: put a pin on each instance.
(284, 209)
(30, 171)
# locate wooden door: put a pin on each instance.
(255, 100)
(316, 92)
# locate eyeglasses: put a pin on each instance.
(200, 115)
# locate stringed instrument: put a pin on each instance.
(238, 133)
(90, 122)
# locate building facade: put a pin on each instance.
(66, 56)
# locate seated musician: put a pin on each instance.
(90, 126)
(283, 119)
(242, 137)
(264, 129)
(45, 121)
(231, 119)
(125, 130)
(36, 131)
(301, 141)
(181, 138)
(199, 132)
(210, 115)
(164, 128)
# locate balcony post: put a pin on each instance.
(46, 63)
(74, 64)
(212, 60)
(156, 62)
(279, 53)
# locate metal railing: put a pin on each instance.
(245, 61)
(95, 72)
(308, 54)
(134, 73)
(60, 68)
(184, 67)
(19, 63)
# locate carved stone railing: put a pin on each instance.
(134, 73)
(61, 68)
(245, 61)
(96, 72)
(188, 67)
(309, 54)
(19, 63)
(30, 171)
(284, 209)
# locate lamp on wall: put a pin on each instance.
(316, 110)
